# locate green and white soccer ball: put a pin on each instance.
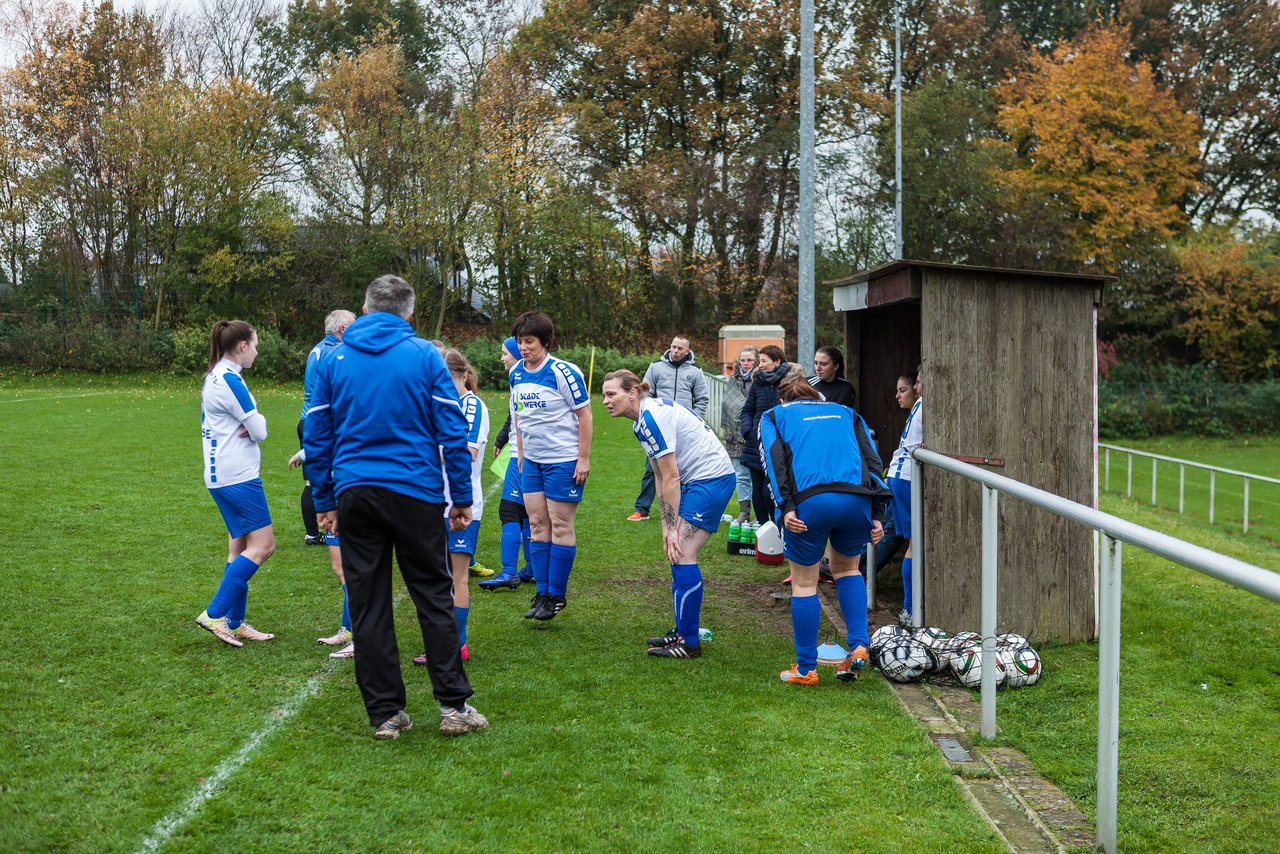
(1025, 668)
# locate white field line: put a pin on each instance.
(215, 782)
(61, 396)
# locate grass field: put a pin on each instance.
(130, 729)
(1252, 454)
(127, 728)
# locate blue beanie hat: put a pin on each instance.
(512, 347)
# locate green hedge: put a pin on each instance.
(1192, 400)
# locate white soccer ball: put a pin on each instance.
(948, 650)
(967, 666)
(882, 636)
(933, 637)
(1026, 667)
(906, 660)
(1010, 640)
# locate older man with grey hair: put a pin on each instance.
(384, 429)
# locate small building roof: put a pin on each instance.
(892, 267)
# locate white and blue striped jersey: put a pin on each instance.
(543, 401)
(477, 415)
(672, 428)
(901, 465)
(225, 407)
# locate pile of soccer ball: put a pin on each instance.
(907, 656)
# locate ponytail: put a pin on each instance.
(225, 336)
(461, 368)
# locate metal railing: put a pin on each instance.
(1113, 531)
(1182, 465)
(716, 384)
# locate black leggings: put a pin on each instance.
(761, 497)
(512, 511)
(307, 501)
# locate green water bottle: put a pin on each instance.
(750, 538)
(735, 538)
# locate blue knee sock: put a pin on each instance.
(561, 566)
(511, 547)
(686, 592)
(346, 609)
(805, 614)
(234, 588)
(906, 585)
(540, 558)
(526, 537)
(235, 611)
(851, 590)
(460, 614)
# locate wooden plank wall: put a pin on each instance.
(1008, 373)
(881, 343)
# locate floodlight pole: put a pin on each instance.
(804, 324)
(897, 130)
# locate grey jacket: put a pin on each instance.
(681, 383)
(735, 394)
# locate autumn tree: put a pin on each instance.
(1096, 136)
(1233, 300)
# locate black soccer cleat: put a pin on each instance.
(314, 539)
(679, 649)
(535, 606)
(663, 640)
(551, 605)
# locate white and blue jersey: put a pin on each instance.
(671, 428)
(901, 464)
(543, 401)
(477, 415)
(226, 406)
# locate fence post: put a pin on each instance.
(1246, 505)
(1182, 486)
(1128, 489)
(1153, 482)
(1107, 481)
(989, 543)
(917, 544)
(870, 576)
(1108, 693)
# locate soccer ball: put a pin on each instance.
(1026, 667)
(933, 637)
(967, 665)
(882, 636)
(1010, 640)
(906, 660)
(950, 648)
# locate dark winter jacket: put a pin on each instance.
(761, 397)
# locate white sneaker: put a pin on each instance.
(454, 722)
(343, 636)
(244, 631)
(218, 628)
(348, 651)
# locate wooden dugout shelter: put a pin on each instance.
(1010, 377)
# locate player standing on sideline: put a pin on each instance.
(901, 468)
(462, 544)
(828, 376)
(694, 479)
(384, 417)
(511, 511)
(232, 427)
(824, 471)
(335, 324)
(551, 410)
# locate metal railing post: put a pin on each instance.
(1246, 505)
(870, 576)
(1128, 489)
(1154, 463)
(1108, 693)
(1107, 480)
(990, 534)
(1213, 482)
(917, 545)
(1182, 487)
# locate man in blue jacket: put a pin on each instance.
(383, 415)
